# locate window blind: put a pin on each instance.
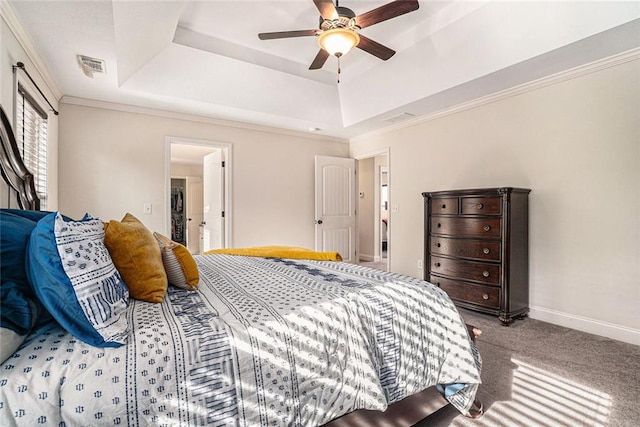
(31, 135)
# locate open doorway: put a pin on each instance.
(384, 210)
(373, 202)
(198, 193)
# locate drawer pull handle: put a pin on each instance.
(444, 206)
(439, 225)
(485, 273)
(480, 206)
(486, 251)
(438, 245)
(485, 228)
(485, 296)
(437, 264)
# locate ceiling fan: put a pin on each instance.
(338, 30)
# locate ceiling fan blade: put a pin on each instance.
(319, 60)
(286, 34)
(326, 8)
(388, 11)
(375, 48)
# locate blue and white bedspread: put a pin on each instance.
(267, 342)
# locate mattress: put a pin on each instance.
(263, 341)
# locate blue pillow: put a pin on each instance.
(72, 274)
(20, 308)
(15, 229)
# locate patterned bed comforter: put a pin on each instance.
(269, 342)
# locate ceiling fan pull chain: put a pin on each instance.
(338, 69)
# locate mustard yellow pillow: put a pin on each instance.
(137, 257)
(179, 264)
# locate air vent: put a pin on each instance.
(90, 66)
(399, 117)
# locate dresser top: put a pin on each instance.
(498, 191)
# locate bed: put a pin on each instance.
(259, 341)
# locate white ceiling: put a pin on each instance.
(205, 57)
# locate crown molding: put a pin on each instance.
(127, 108)
(592, 67)
(12, 21)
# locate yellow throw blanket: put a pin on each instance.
(290, 252)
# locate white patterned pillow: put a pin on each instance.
(179, 264)
(74, 277)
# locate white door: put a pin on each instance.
(194, 213)
(213, 201)
(335, 206)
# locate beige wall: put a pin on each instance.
(112, 162)
(576, 144)
(366, 206)
(186, 169)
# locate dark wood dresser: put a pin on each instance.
(477, 248)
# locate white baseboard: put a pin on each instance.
(585, 324)
(368, 258)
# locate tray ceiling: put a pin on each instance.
(205, 58)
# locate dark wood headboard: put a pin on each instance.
(20, 185)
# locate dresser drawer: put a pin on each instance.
(486, 296)
(466, 227)
(444, 206)
(481, 206)
(466, 270)
(466, 248)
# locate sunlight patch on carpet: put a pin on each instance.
(543, 399)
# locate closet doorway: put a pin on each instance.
(198, 193)
(373, 203)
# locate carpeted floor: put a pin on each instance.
(538, 374)
(380, 265)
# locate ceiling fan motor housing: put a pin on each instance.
(346, 19)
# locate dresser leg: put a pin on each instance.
(506, 321)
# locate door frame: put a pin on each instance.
(383, 151)
(226, 149)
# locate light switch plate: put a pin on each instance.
(146, 208)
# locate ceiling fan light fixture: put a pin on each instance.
(338, 41)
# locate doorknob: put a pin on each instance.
(319, 222)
